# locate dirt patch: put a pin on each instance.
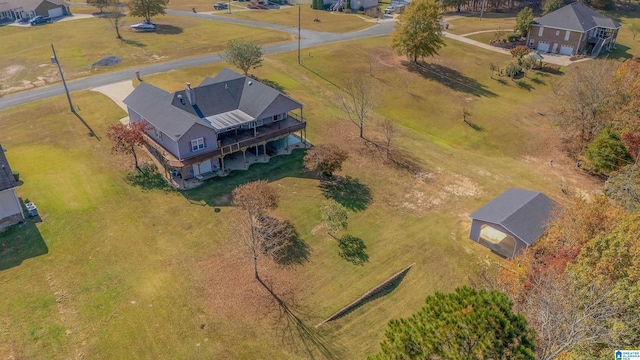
(231, 289)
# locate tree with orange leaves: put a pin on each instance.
(127, 137)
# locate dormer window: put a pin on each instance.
(197, 144)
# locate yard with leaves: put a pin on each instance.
(137, 272)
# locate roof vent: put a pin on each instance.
(189, 85)
(181, 99)
(250, 83)
(226, 87)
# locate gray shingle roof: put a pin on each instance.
(576, 17)
(7, 181)
(523, 212)
(227, 100)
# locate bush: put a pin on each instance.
(513, 37)
(551, 69)
(16, 176)
(361, 8)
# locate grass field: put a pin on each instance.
(145, 274)
(489, 21)
(177, 37)
(288, 16)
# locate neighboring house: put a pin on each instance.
(511, 222)
(10, 207)
(573, 29)
(340, 5)
(26, 9)
(192, 131)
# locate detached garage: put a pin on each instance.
(511, 222)
(51, 8)
(543, 46)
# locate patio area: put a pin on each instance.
(235, 162)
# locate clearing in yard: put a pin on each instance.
(28, 64)
(132, 272)
(489, 21)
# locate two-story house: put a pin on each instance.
(26, 9)
(192, 131)
(573, 29)
(10, 206)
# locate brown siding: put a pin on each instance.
(549, 35)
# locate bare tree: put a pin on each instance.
(253, 227)
(115, 14)
(358, 98)
(584, 103)
(389, 132)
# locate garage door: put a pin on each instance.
(57, 12)
(205, 167)
(566, 50)
(543, 46)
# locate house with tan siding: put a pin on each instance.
(573, 29)
(10, 206)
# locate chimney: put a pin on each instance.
(191, 95)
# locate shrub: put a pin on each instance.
(16, 176)
(513, 37)
(551, 69)
(361, 8)
(607, 152)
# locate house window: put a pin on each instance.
(260, 122)
(197, 144)
(159, 134)
(246, 125)
(277, 117)
(557, 33)
(540, 30)
(566, 35)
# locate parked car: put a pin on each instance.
(390, 10)
(220, 6)
(39, 20)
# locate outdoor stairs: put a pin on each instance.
(601, 42)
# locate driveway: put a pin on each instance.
(60, 19)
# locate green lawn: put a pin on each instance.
(177, 37)
(133, 274)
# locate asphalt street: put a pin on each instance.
(308, 39)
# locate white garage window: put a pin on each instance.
(566, 35)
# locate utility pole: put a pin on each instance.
(299, 34)
(54, 59)
(482, 9)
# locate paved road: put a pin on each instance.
(309, 39)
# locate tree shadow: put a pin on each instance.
(523, 84)
(451, 78)
(503, 81)
(320, 76)
(537, 81)
(353, 249)
(217, 191)
(148, 179)
(21, 242)
(133, 43)
(294, 251)
(347, 191)
(295, 330)
(473, 125)
(164, 29)
(403, 160)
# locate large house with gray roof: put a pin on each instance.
(22, 10)
(10, 207)
(192, 131)
(511, 222)
(573, 29)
